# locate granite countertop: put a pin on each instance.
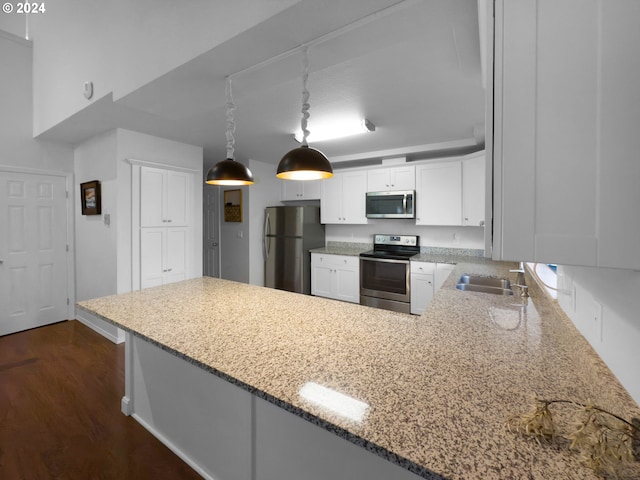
(439, 387)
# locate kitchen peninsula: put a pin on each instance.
(246, 382)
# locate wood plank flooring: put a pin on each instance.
(60, 391)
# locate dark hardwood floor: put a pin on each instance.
(60, 391)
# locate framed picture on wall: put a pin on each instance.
(90, 198)
(233, 205)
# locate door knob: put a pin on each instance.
(1, 261)
(214, 244)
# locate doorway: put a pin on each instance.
(211, 231)
(33, 250)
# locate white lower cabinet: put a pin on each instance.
(163, 256)
(421, 286)
(426, 280)
(335, 276)
(443, 270)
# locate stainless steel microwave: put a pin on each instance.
(398, 204)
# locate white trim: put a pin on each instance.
(99, 326)
(145, 163)
(126, 405)
(171, 446)
(34, 171)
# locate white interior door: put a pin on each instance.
(211, 232)
(33, 256)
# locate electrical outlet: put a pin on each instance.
(597, 320)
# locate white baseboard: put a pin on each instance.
(171, 446)
(110, 332)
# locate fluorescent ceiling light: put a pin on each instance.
(334, 401)
(335, 130)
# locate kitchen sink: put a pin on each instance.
(477, 283)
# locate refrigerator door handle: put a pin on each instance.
(265, 239)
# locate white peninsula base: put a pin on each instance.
(226, 433)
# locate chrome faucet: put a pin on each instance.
(520, 280)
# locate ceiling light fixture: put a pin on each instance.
(337, 129)
(304, 162)
(229, 172)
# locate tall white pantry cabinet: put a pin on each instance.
(166, 227)
(566, 123)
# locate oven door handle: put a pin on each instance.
(385, 260)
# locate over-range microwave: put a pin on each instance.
(395, 204)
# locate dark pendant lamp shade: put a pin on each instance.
(304, 163)
(229, 172)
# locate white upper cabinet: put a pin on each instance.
(439, 193)
(163, 197)
(391, 178)
(473, 189)
(300, 190)
(566, 140)
(343, 198)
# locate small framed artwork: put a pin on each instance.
(90, 198)
(233, 205)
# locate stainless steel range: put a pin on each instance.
(385, 272)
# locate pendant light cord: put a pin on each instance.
(305, 96)
(231, 125)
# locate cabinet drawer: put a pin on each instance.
(335, 260)
(423, 267)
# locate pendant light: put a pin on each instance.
(229, 172)
(304, 162)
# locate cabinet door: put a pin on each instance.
(473, 189)
(311, 190)
(331, 200)
(403, 178)
(378, 180)
(421, 292)
(176, 198)
(175, 267)
(347, 283)
(354, 190)
(321, 276)
(152, 185)
(291, 190)
(152, 248)
(439, 193)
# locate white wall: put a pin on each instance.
(122, 45)
(138, 146)
(17, 146)
(449, 237)
(96, 243)
(614, 329)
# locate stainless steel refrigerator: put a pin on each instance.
(289, 233)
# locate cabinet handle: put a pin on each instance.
(169, 269)
(169, 220)
(482, 223)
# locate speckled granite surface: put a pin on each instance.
(438, 387)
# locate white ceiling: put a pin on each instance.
(412, 68)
